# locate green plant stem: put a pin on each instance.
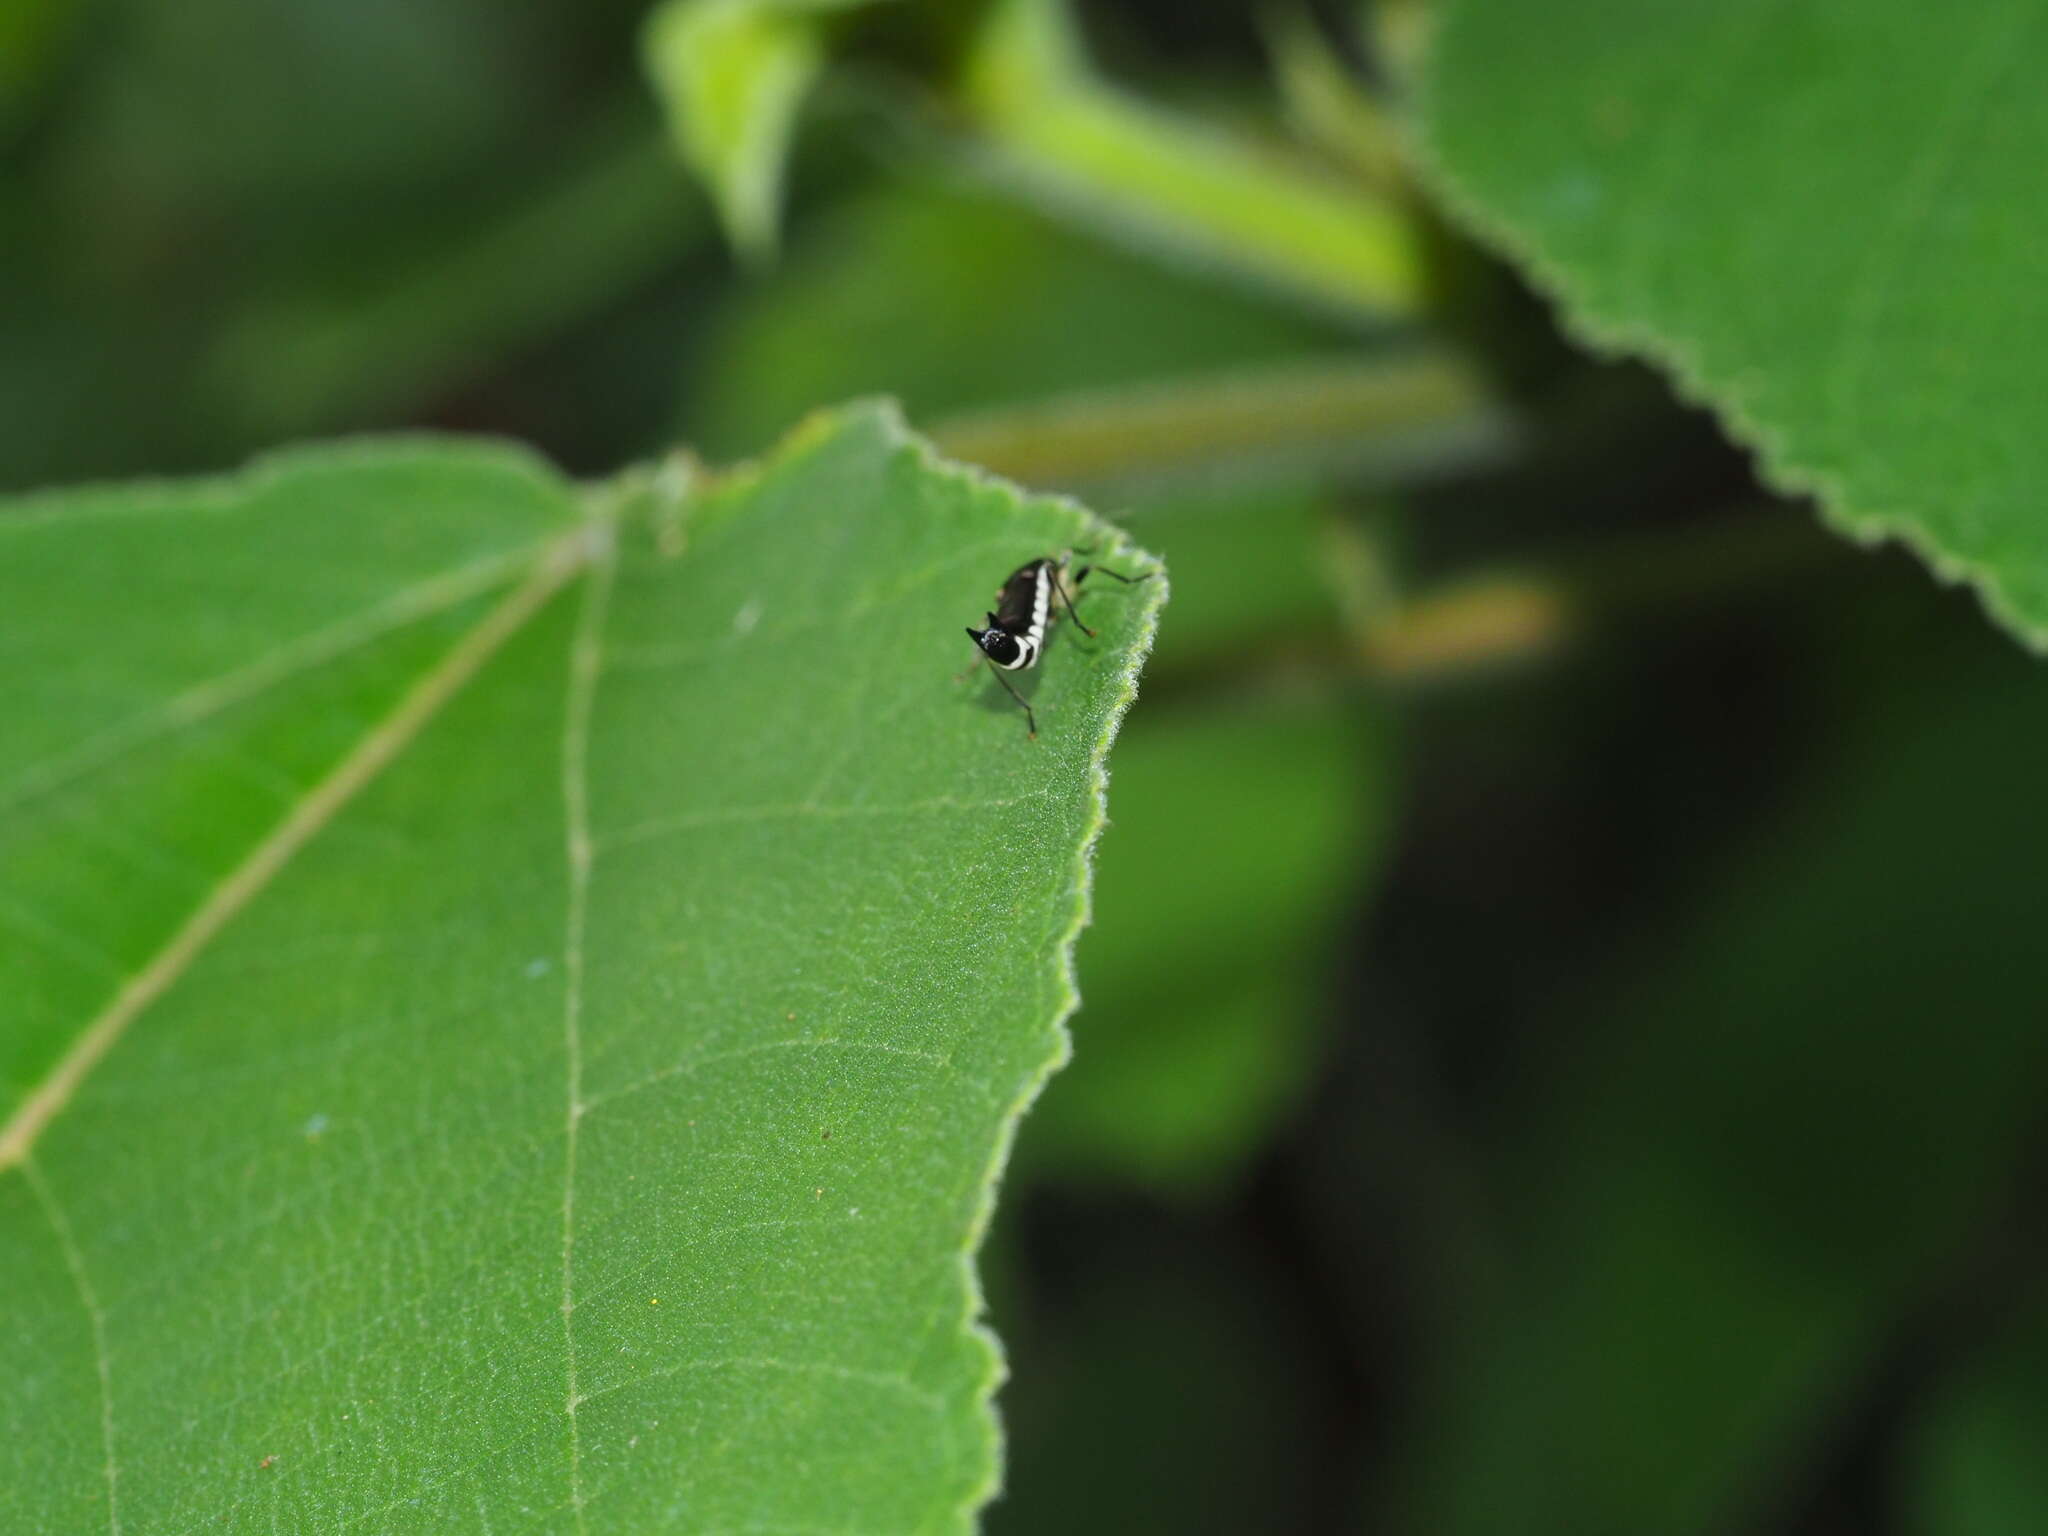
(1520, 614)
(1328, 108)
(1418, 408)
(1179, 184)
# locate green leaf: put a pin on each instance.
(32, 37)
(1823, 218)
(732, 75)
(1974, 1456)
(515, 1002)
(389, 333)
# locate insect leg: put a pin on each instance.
(1081, 575)
(1119, 575)
(1030, 720)
(1061, 588)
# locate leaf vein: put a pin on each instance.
(664, 826)
(585, 664)
(307, 817)
(697, 1063)
(288, 661)
(893, 1380)
(663, 657)
(74, 1261)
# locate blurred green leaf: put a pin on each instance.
(341, 349)
(1203, 994)
(897, 276)
(1257, 579)
(1783, 1130)
(237, 220)
(220, 100)
(1179, 1332)
(32, 35)
(1823, 218)
(1974, 1465)
(1093, 369)
(1179, 186)
(732, 75)
(498, 1029)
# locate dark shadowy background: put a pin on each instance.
(1572, 1075)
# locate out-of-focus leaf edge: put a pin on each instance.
(1610, 335)
(141, 494)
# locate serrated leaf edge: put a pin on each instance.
(972, 1323)
(1778, 463)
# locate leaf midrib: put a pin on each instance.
(556, 563)
(294, 659)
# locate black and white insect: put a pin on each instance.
(1015, 635)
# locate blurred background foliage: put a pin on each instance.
(1562, 1040)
